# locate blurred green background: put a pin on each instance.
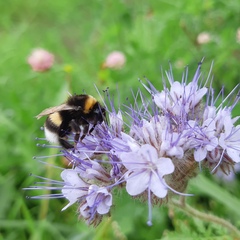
(81, 34)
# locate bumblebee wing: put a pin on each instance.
(51, 110)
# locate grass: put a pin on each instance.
(81, 34)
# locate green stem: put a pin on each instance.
(49, 173)
(180, 204)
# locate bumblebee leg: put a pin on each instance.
(65, 143)
(64, 130)
(84, 130)
(75, 127)
(92, 128)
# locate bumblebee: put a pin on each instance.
(76, 116)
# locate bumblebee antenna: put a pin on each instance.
(102, 100)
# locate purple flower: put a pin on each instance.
(204, 139)
(99, 198)
(155, 150)
(229, 139)
(181, 99)
(74, 187)
(145, 170)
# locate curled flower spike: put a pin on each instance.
(156, 150)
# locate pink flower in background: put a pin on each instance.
(115, 60)
(40, 60)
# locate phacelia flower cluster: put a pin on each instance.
(153, 146)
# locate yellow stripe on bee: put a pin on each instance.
(89, 103)
(55, 118)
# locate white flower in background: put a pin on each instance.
(203, 38)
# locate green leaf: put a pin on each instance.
(206, 186)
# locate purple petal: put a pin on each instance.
(138, 183)
(157, 186)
